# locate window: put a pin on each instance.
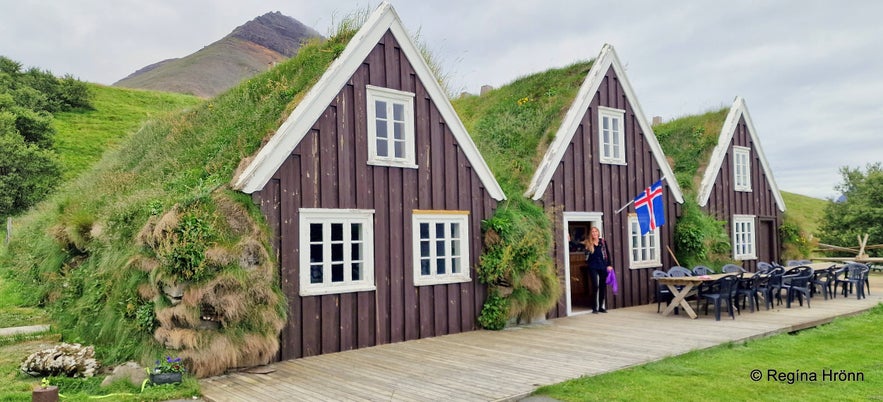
(441, 247)
(336, 251)
(743, 237)
(742, 168)
(390, 127)
(644, 250)
(611, 135)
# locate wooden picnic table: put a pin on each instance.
(686, 285)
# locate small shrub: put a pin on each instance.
(495, 312)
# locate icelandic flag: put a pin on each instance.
(650, 208)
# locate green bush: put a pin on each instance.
(700, 239)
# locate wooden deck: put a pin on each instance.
(509, 364)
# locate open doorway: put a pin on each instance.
(578, 287)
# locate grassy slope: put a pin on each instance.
(688, 142)
(84, 135)
(805, 210)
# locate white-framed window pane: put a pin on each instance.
(441, 246)
(743, 237)
(742, 168)
(337, 251)
(611, 135)
(643, 249)
(391, 136)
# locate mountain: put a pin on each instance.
(250, 49)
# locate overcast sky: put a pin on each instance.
(811, 72)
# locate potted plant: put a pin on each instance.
(45, 392)
(168, 371)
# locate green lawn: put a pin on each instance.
(790, 367)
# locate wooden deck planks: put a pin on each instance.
(508, 364)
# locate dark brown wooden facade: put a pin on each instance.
(328, 169)
(724, 201)
(581, 183)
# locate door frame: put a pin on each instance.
(595, 218)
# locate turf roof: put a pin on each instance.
(513, 125)
(688, 142)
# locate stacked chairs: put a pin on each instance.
(823, 281)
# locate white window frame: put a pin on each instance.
(607, 151)
(744, 237)
(643, 245)
(742, 168)
(445, 218)
(326, 217)
(391, 97)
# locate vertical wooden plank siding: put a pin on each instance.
(329, 169)
(724, 201)
(605, 188)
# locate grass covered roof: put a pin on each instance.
(688, 143)
(513, 125)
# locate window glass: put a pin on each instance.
(440, 248)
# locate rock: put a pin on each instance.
(71, 360)
(130, 370)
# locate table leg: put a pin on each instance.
(680, 300)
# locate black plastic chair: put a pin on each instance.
(662, 291)
(679, 271)
(721, 291)
(853, 276)
(747, 291)
(702, 270)
(798, 285)
(823, 281)
(771, 287)
(732, 269)
(764, 267)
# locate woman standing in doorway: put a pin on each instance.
(598, 259)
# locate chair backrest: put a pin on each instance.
(724, 285)
(856, 271)
(805, 262)
(702, 270)
(775, 276)
(679, 271)
(801, 276)
(763, 267)
(792, 263)
(660, 274)
(732, 268)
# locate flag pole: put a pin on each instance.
(633, 200)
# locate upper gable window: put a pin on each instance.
(390, 127)
(742, 168)
(611, 134)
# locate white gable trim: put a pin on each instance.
(274, 153)
(739, 109)
(552, 159)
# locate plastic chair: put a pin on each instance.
(748, 290)
(721, 291)
(797, 285)
(823, 281)
(854, 276)
(764, 267)
(771, 286)
(679, 271)
(732, 269)
(662, 291)
(702, 270)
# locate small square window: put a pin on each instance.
(441, 244)
(336, 251)
(391, 137)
